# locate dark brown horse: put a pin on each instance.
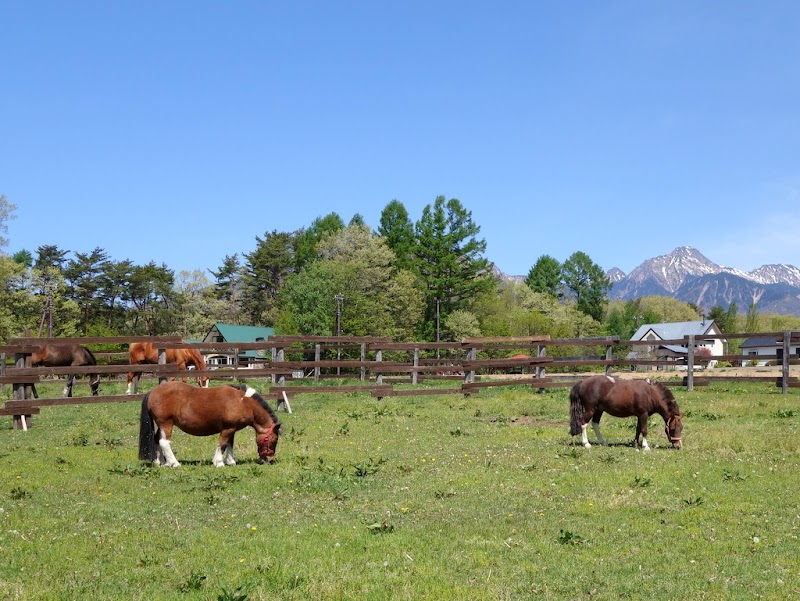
(202, 412)
(145, 352)
(66, 355)
(591, 397)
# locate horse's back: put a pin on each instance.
(620, 398)
(195, 410)
(59, 355)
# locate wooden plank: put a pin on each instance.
(498, 363)
(421, 392)
(530, 381)
(505, 340)
(93, 340)
(18, 411)
(51, 402)
(334, 389)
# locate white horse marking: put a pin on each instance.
(249, 392)
(166, 452)
(600, 438)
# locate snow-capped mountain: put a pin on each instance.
(689, 276)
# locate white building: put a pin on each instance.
(657, 332)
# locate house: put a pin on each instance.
(676, 331)
(225, 332)
(767, 345)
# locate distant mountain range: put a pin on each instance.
(687, 275)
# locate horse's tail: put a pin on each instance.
(575, 410)
(93, 378)
(147, 433)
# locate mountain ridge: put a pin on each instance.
(688, 275)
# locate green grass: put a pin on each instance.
(446, 497)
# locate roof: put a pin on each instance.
(236, 333)
(676, 330)
(755, 341)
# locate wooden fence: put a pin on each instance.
(380, 363)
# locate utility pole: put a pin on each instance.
(339, 298)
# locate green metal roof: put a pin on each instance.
(235, 333)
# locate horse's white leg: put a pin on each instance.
(169, 456)
(130, 388)
(229, 459)
(600, 439)
(641, 429)
(217, 461)
(584, 438)
(68, 387)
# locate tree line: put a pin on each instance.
(423, 279)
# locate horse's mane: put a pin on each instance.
(668, 397)
(91, 356)
(260, 400)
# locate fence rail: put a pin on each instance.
(478, 363)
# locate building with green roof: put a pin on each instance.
(226, 332)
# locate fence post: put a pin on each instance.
(609, 356)
(787, 347)
(363, 358)
(162, 360)
(541, 351)
(472, 355)
(690, 364)
(378, 359)
(416, 364)
(280, 355)
(21, 421)
(317, 358)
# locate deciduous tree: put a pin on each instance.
(588, 284)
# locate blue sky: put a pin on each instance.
(179, 131)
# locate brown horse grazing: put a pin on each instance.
(202, 412)
(145, 352)
(66, 355)
(589, 398)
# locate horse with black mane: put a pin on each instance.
(592, 396)
(66, 355)
(202, 412)
(145, 352)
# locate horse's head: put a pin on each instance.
(268, 444)
(673, 430)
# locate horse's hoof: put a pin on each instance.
(587, 445)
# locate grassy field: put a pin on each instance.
(440, 498)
